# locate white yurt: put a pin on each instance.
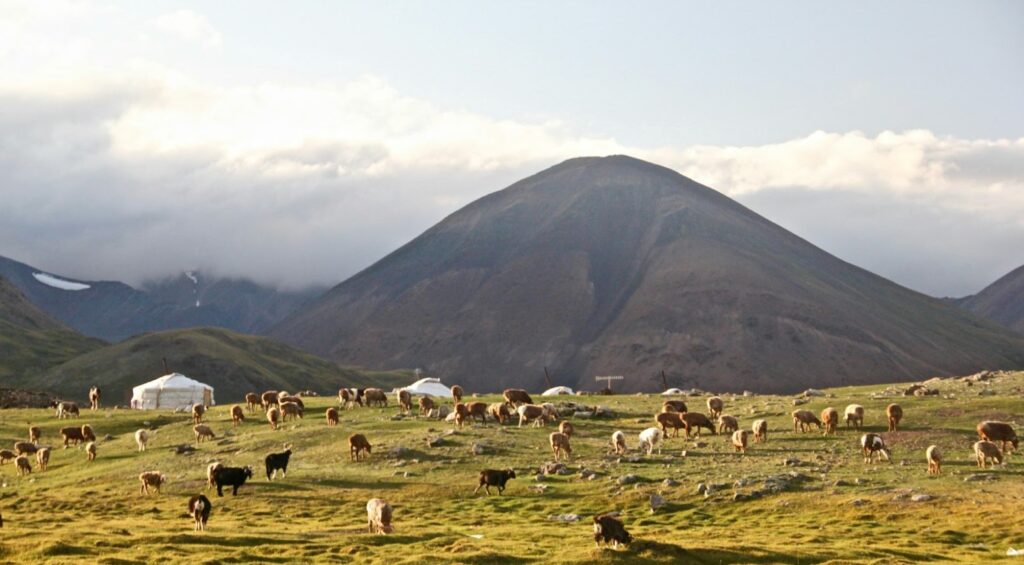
(171, 391)
(673, 392)
(431, 386)
(555, 391)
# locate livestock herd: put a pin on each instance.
(995, 439)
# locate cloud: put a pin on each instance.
(189, 26)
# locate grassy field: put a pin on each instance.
(837, 509)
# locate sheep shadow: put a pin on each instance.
(646, 551)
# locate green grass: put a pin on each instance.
(92, 512)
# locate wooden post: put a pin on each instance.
(664, 380)
(547, 377)
(166, 370)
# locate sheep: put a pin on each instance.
(278, 462)
(281, 395)
(619, 442)
(739, 440)
(477, 411)
(34, 433)
(998, 431)
(461, 413)
(94, 398)
(26, 448)
(231, 476)
(854, 413)
(566, 428)
(7, 455)
(895, 414)
(197, 413)
(43, 458)
(71, 434)
(23, 465)
(499, 411)
(985, 450)
(760, 429)
(203, 432)
(290, 409)
(528, 412)
(332, 416)
(268, 399)
(252, 400)
(154, 479)
(273, 417)
(348, 399)
(696, 420)
(610, 528)
(66, 409)
(141, 439)
(90, 451)
(290, 398)
(873, 445)
(357, 444)
(934, 457)
(237, 415)
(560, 445)
(494, 478)
(404, 401)
(804, 419)
(516, 396)
(199, 508)
(715, 406)
(378, 516)
(457, 393)
(211, 472)
(830, 419)
(375, 397)
(674, 406)
(87, 433)
(651, 438)
(550, 412)
(426, 404)
(671, 419)
(727, 424)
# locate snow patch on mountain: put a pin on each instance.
(50, 280)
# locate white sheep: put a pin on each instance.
(141, 439)
(651, 438)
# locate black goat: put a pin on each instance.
(610, 529)
(278, 462)
(199, 508)
(231, 476)
(494, 478)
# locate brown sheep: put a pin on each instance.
(528, 412)
(477, 411)
(760, 429)
(855, 415)
(23, 465)
(378, 516)
(673, 406)
(203, 432)
(457, 393)
(290, 398)
(985, 450)
(934, 457)
(998, 432)
(72, 434)
(404, 402)
(560, 445)
(695, 421)
(357, 445)
(375, 396)
(237, 415)
(7, 455)
(197, 413)
(426, 404)
(268, 399)
(87, 433)
(43, 458)
(252, 400)
(66, 409)
(154, 479)
(830, 419)
(672, 420)
(715, 406)
(34, 433)
(516, 396)
(739, 440)
(90, 451)
(94, 398)
(290, 409)
(804, 419)
(273, 417)
(332, 416)
(566, 428)
(499, 411)
(461, 413)
(727, 424)
(895, 414)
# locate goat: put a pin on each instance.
(715, 406)
(268, 398)
(528, 412)
(26, 448)
(499, 410)
(43, 458)
(985, 450)
(609, 528)
(141, 439)
(66, 409)
(290, 409)
(566, 428)
(332, 416)
(854, 413)
(998, 431)
(739, 440)
(804, 419)
(760, 429)
(273, 417)
(71, 434)
(457, 393)
(873, 446)
(252, 400)
(560, 445)
(674, 406)
(934, 457)
(651, 438)
(198, 410)
(378, 516)
(375, 396)
(516, 396)
(619, 442)
(830, 419)
(461, 413)
(895, 414)
(237, 415)
(357, 444)
(292, 398)
(90, 451)
(34, 433)
(671, 419)
(494, 478)
(404, 402)
(478, 411)
(7, 455)
(231, 476)
(87, 433)
(203, 432)
(154, 479)
(348, 399)
(23, 465)
(426, 404)
(697, 420)
(278, 462)
(199, 508)
(727, 424)
(94, 398)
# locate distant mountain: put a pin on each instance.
(30, 340)
(113, 311)
(1001, 301)
(616, 266)
(232, 363)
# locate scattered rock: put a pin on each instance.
(434, 442)
(540, 477)
(551, 468)
(583, 415)
(587, 474)
(858, 502)
(656, 502)
(566, 518)
(477, 449)
(108, 437)
(184, 449)
(813, 392)
(792, 462)
(538, 488)
(799, 401)
(979, 477)
(860, 481)
(628, 479)
(669, 483)
(397, 452)
(921, 498)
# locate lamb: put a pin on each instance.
(478, 411)
(141, 439)
(357, 444)
(560, 445)
(404, 401)
(375, 396)
(231, 476)
(651, 438)
(895, 414)
(499, 411)
(727, 424)
(34, 433)
(290, 409)
(154, 479)
(715, 406)
(268, 399)
(673, 406)
(199, 508)
(252, 400)
(830, 418)
(43, 458)
(619, 442)
(494, 478)
(985, 450)
(855, 413)
(760, 429)
(66, 409)
(203, 432)
(528, 412)
(237, 415)
(273, 417)
(873, 446)
(739, 440)
(332, 416)
(516, 396)
(378, 516)
(211, 472)
(934, 457)
(457, 393)
(90, 451)
(197, 413)
(566, 428)
(998, 432)
(71, 434)
(278, 462)
(805, 419)
(94, 398)
(698, 421)
(7, 455)
(23, 465)
(671, 419)
(461, 413)
(609, 528)
(426, 404)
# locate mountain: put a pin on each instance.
(1001, 301)
(113, 310)
(615, 266)
(31, 341)
(232, 363)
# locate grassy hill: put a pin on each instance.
(835, 509)
(232, 363)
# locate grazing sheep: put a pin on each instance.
(87, 433)
(281, 395)
(619, 442)
(830, 419)
(651, 438)
(141, 439)
(273, 417)
(727, 424)
(332, 416)
(998, 431)
(560, 445)
(715, 406)
(290, 409)
(375, 397)
(855, 414)
(268, 399)
(804, 419)
(696, 421)
(211, 472)
(985, 450)
(934, 457)
(426, 404)
(478, 411)
(94, 398)
(609, 528)
(43, 458)
(7, 455)
(26, 448)
(873, 446)
(405, 402)
(289, 398)
(566, 428)
(674, 406)
(237, 415)
(461, 413)
(203, 432)
(378, 516)
(66, 409)
(672, 420)
(278, 462)
(895, 414)
(457, 393)
(550, 412)
(516, 396)
(23, 465)
(252, 400)
(197, 413)
(739, 440)
(357, 445)
(499, 411)
(348, 399)
(34, 433)
(494, 478)
(231, 476)
(71, 434)
(90, 451)
(199, 508)
(760, 429)
(154, 479)
(528, 412)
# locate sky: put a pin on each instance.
(297, 143)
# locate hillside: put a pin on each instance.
(232, 363)
(613, 265)
(1001, 301)
(31, 341)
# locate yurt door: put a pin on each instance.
(207, 397)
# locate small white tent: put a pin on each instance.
(429, 386)
(672, 392)
(555, 391)
(171, 391)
